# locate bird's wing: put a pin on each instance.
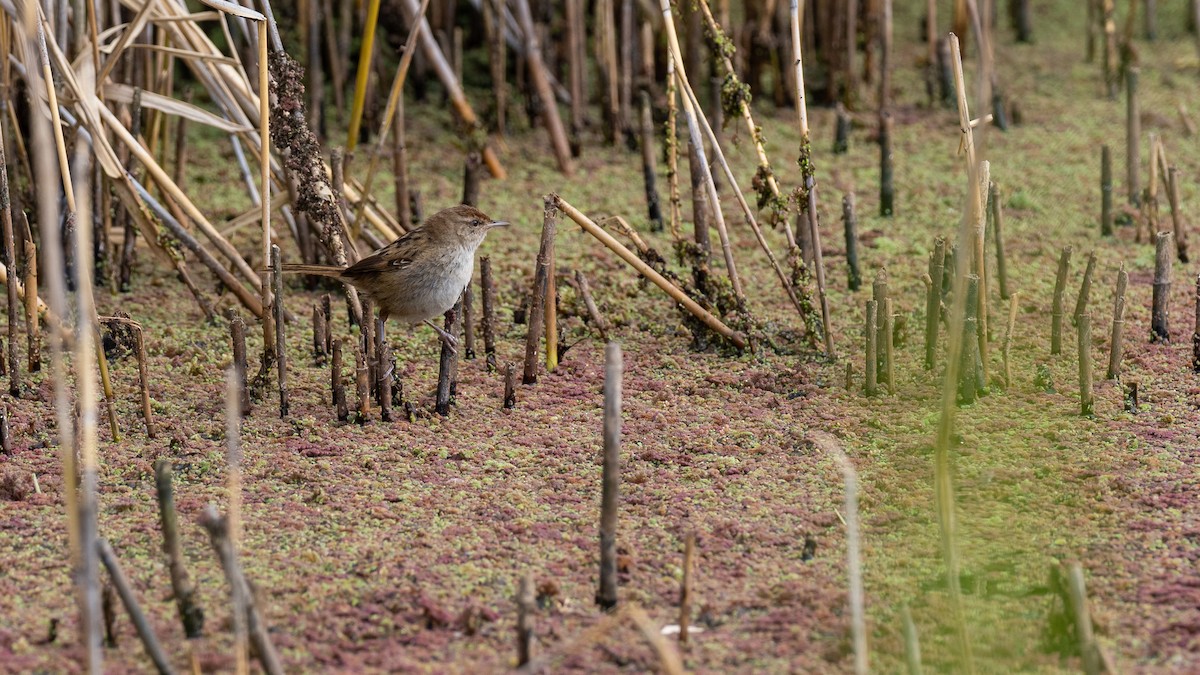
(396, 255)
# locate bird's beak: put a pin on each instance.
(497, 223)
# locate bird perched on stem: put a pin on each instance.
(422, 274)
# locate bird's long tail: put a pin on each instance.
(316, 270)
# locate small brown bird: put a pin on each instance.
(422, 274)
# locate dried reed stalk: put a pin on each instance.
(606, 595)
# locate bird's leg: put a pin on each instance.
(447, 338)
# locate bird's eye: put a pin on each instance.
(476, 222)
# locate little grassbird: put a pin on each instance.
(422, 274)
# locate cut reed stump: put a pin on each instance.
(448, 363)
(541, 282)
(190, 613)
(526, 604)
(1106, 190)
(870, 367)
(510, 387)
(606, 595)
(1159, 309)
(997, 219)
(488, 286)
(889, 331)
(649, 173)
(280, 330)
(880, 295)
(237, 330)
(10, 258)
(1196, 331)
(970, 372)
(850, 222)
(1085, 289)
(1006, 350)
(1085, 365)
(1060, 287)
(1116, 342)
(336, 384)
(1181, 247)
(1083, 621)
(468, 315)
(933, 300)
(320, 335)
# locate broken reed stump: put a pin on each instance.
(237, 330)
(841, 136)
(336, 384)
(850, 222)
(933, 300)
(1133, 132)
(585, 292)
(448, 363)
(1106, 190)
(1196, 331)
(1060, 287)
(1085, 364)
(1085, 289)
(969, 372)
(685, 588)
(1006, 350)
(327, 310)
(606, 594)
(889, 325)
(468, 315)
(472, 174)
(488, 290)
(280, 330)
(879, 292)
(190, 613)
(998, 234)
(526, 604)
(649, 172)
(510, 387)
(362, 379)
(33, 339)
(912, 646)
(871, 361)
(887, 187)
(144, 379)
(537, 309)
(149, 640)
(1116, 342)
(320, 334)
(1083, 620)
(1159, 309)
(385, 381)
(1181, 247)
(219, 536)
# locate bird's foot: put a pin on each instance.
(449, 340)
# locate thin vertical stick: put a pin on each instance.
(10, 262)
(237, 331)
(870, 367)
(537, 310)
(1150, 205)
(671, 140)
(1106, 192)
(362, 379)
(526, 604)
(1116, 344)
(933, 300)
(182, 589)
(385, 369)
(850, 223)
(264, 130)
(489, 311)
(550, 310)
(969, 380)
(468, 303)
(1085, 289)
(879, 292)
(685, 589)
(606, 595)
(1108, 21)
(510, 386)
(33, 340)
(1060, 287)
(1180, 232)
(888, 347)
(1159, 316)
(576, 64)
(448, 363)
(912, 647)
(400, 168)
(144, 380)
(998, 234)
(153, 649)
(179, 170)
(654, 211)
(320, 334)
(1133, 133)
(1196, 331)
(280, 328)
(887, 188)
(1008, 334)
(233, 424)
(337, 385)
(1083, 619)
(1085, 365)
